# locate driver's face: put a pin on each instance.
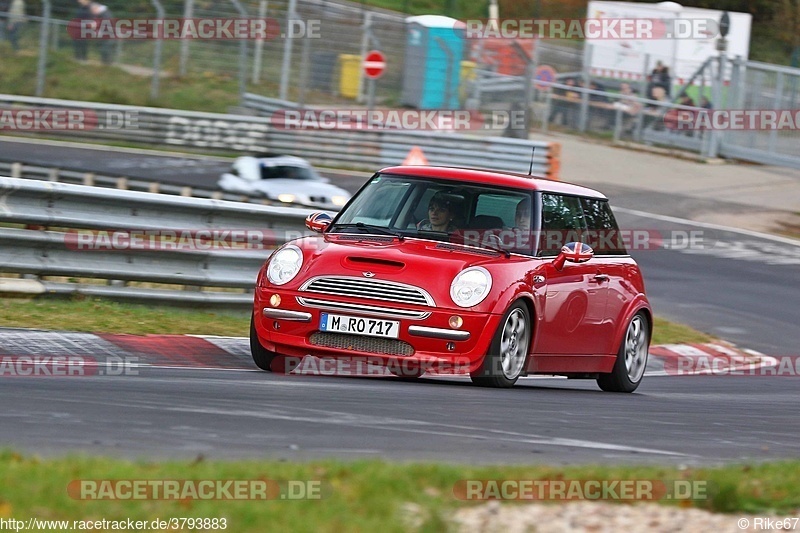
(439, 215)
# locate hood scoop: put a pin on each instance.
(373, 264)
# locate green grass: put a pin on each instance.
(357, 496)
(68, 79)
(94, 315)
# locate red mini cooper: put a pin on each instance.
(459, 271)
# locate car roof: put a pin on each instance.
(282, 161)
(494, 177)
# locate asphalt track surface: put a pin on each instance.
(741, 287)
(168, 413)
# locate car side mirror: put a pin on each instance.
(318, 221)
(574, 252)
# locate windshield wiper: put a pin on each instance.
(374, 228)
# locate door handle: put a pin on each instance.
(600, 277)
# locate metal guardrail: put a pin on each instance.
(52, 229)
(17, 169)
(355, 149)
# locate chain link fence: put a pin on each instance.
(316, 59)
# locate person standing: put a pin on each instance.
(81, 46)
(16, 20)
(100, 12)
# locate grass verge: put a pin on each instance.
(356, 496)
(94, 315)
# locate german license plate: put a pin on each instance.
(374, 327)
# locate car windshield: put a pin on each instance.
(269, 172)
(478, 215)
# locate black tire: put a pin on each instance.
(631, 362)
(261, 356)
(508, 354)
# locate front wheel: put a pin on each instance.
(508, 353)
(261, 356)
(631, 360)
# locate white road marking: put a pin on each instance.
(422, 427)
(708, 225)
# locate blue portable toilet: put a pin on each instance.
(432, 71)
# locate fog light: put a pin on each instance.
(275, 300)
(456, 321)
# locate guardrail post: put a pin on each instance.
(52, 175)
(16, 170)
(88, 179)
(154, 86)
(44, 30)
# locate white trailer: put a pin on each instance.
(683, 52)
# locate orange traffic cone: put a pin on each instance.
(415, 157)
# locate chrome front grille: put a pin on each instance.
(368, 289)
(360, 343)
(363, 309)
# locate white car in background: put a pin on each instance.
(282, 178)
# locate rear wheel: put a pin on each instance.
(508, 353)
(631, 360)
(261, 356)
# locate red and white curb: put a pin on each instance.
(233, 353)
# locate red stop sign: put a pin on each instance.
(374, 64)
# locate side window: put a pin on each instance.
(562, 222)
(497, 209)
(603, 235)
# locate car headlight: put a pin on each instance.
(287, 198)
(471, 286)
(339, 200)
(284, 265)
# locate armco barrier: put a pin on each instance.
(40, 221)
(356, 149)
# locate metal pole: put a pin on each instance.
(287, 51)
(776, 104)
(259, 46)
(713, 145)
(371, 94)
(528, 91)
(242, 54)
(366, 34)
(156, 54)
(645, 73)
(587, 62)
(188, 12)
(41, 70)
(305, 67)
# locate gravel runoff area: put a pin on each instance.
(597, 517)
